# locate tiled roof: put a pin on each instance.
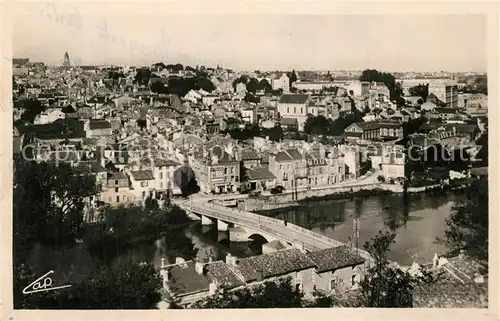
(367, 125)
(289, 121)
(220, 272)
(165, 162)
(451, 295)
(273, 264)
(142, 175)
(293, 99)
(282, 157)
(334, 258)
(294, 154)
(184, 280)
(249, 154)
(99, 124)
(260, 173)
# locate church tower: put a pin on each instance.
(66, 62)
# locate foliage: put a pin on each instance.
(279, 294)
(388, 79)
(467, 226)
(479, 86)
(386, 285)
(251, 131)
(125, 285)
(319, 125)
(381, 178)
(420, 90)
(31, 107)
(292, 78)
(48, 203)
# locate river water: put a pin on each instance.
(416, 219)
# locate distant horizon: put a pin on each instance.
(252, 70)
(397, 43)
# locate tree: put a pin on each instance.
(385, 285)
(253, 85)
(205, 84)
(125, 285)
(467, 226)
(316, 125)
(31, 107)
(420, 90)
(292, 78)
(48, 203)
(264, 84)
(279, 294)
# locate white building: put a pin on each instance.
(281, 82)
(49, 116)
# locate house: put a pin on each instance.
(428, 106)
(294, 107)
(338, 269)
(163, 171)
(116, 190)
(393, 162)
(216, 175)
(292, 263)
(249, 115)
(250, 158)
(142, 182)
(461, 283)
(281, 81)
(260, 178)
(391, 130)
(98, 128)
(49, 116)
(363, 130)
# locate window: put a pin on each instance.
(161, 175)
(301, 110)
(143, 194)
(288, 110)
(294, 110)
(232, 170)
(118, 198)
(225, 170)
(116, 190)
(116, 182)
(281, 166)
(333, 284)
(353, 279)
(298, 287)
(144, 183)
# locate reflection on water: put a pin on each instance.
(416, 219)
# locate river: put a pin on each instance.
(417, 220)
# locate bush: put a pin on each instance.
(381, 178)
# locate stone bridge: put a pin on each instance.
(244, 226)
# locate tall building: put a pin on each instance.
(447, 93)
(66, 62)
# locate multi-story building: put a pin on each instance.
(393, 162)
(163, 171)
(294, 107)
(214, 174)
(281, 81)
(447, 93)
(142, 183)
(116, 190)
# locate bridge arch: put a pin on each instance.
(257, 237)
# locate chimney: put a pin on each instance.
(198, 266)
(230, 260)
(435, 260)
(212, 287)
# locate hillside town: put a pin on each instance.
(251, 138)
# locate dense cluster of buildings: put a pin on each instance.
(134, 140)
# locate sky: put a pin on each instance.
(256, 42)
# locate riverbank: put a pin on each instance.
(292, 199)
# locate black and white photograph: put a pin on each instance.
(246, 161)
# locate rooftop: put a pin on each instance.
(142, 175)
(334, 258)
(293, 99)
(273, 264)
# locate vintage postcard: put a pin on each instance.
(189, 156)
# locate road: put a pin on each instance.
(289, 233)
